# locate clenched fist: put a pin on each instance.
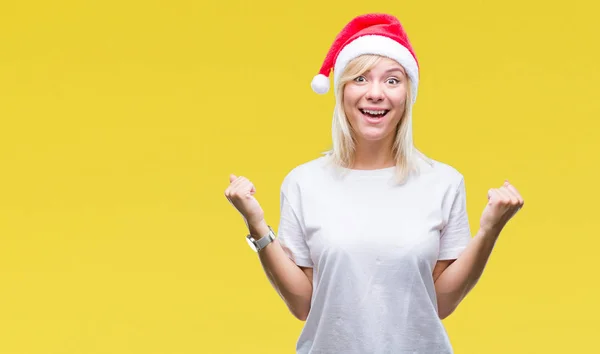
(503, 204)
(240, 193)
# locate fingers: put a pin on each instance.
(516, 198)
(507, 194)
(237, 182)
(239, 187)
(515, 192)
(498, 196)
(493, 194)
(245, 187)
(233, 183)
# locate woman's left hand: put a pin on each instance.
(503, 204)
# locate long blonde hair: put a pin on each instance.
(342, 152)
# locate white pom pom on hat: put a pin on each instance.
(320, 84)
(379, 34)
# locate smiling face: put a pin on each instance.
(375, 102)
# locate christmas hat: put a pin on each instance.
(379, 34)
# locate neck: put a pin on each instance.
(373, 155)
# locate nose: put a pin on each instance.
(374, 93)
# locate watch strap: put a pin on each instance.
(263, 241)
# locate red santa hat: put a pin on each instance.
(379, 34)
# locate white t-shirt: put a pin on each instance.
(373, 247)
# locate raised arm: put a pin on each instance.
(292, 283)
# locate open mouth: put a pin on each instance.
(374, 113)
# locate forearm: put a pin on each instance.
(460, 277)
(285, 276)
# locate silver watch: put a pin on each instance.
(262, 242)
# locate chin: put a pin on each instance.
(372, 137)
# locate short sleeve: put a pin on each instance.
(291, 235)
(456, 233)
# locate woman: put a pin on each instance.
(374, 245)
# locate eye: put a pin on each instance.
(360, 79)
(393, 81)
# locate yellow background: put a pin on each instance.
(121, 121)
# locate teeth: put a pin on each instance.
(373, 112)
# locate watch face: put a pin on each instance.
(252, 245)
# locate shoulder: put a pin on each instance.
(443, 182)
(442, 173)
(305, 173)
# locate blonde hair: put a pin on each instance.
(343, 139)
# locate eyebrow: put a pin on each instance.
(395, 69)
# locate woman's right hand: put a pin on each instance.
(240, 193)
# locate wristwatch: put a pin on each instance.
(262, 242)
